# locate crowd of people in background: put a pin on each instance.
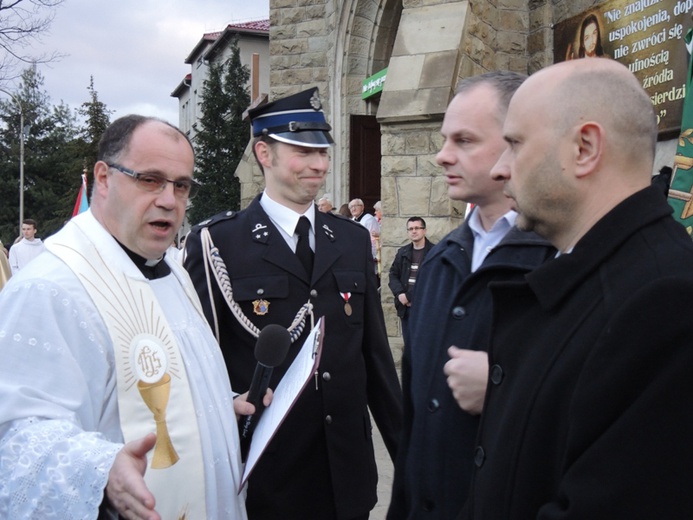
(356, 211)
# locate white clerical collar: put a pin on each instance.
(283, 217)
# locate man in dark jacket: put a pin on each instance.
(587, 414)
(405, 268)
(450, 317)
(320, 465)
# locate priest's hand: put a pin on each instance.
(242, 407)
(126, 489)
(467, 372)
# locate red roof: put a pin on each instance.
(256, 29)
(257, 25)
(182, 86)
(211, 36)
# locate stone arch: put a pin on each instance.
(363, 45)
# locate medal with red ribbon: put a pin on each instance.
(347, 305)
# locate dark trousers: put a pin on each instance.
(405, 328)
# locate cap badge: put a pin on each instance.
(315, 100)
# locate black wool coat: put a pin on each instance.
(452, 306)
(321, 463)
(587, 414)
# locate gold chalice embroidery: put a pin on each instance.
(154, 384)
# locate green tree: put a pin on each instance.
(58, 168)
(97, 117)
(52, 164)
(223, 136)
(28, 100)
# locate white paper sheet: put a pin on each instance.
(296, 378)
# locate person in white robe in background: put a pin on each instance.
(26, 249)
(62, 450)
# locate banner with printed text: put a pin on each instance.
(645, 35)
(648, 36)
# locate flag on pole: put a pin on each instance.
(681, 190)
(82, 204)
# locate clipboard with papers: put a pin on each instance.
(292, 384)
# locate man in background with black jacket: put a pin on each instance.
(405, 268)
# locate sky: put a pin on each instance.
(134, 49)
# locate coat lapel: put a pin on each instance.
(277, 252)
(326, 250)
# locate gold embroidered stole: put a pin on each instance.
(153, 389)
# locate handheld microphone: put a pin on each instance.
(270, 351)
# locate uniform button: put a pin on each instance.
(328, 419)
(261, 292)
(496, 374)
(479, 456)
(458, 313)
(313, 293)
(433, 405)
(326, 376)
(428, 505)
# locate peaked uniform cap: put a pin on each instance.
(296, 119)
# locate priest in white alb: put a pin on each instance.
(114, 397)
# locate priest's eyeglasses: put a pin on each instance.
(153, 183)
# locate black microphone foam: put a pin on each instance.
(272, 345)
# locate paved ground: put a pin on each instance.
(384, 477)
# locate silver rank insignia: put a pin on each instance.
(260, 233)
(328, 232)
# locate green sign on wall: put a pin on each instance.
(374, 84)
